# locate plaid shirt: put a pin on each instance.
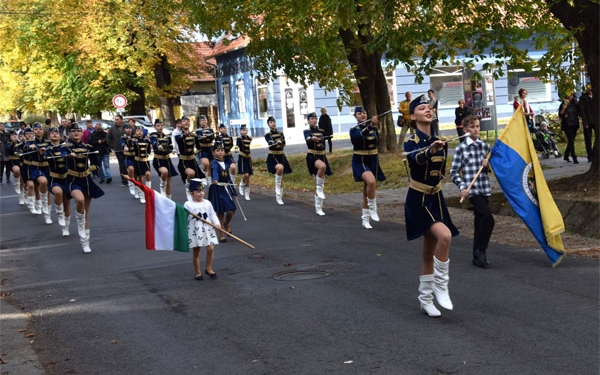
(468, 157)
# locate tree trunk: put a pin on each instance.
(137, 106)
(372, 85)
(583, 17)
(162, 75)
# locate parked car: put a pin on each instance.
(137, 117)
(106, 124)
(150, 127)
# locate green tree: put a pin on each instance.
(338, 41)
(74, 56)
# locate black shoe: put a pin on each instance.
(575, 161)
(101, 181)
(479, 258)
(567, 160)
(212, 275)
(198, 277)
(108, 180)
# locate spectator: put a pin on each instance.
(569, 113)
(89, 129)
(98, 142)
(113, 138)
(527, 110)
(459, 114)
(404, 118)
(589, 116)
(433, 103)
(325, 125)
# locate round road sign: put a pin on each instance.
(119, 101)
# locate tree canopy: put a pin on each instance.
(74, 56)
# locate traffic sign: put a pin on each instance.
(119, 101)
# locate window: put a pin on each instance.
(262, 100)
(226, 98)
(241, 95)
(537, 90)
(447, 83)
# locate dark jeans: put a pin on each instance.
(461, 131)
(484, 222)
(330, 144)
(122, 166)
(570, 132)
(435, 127)
(587, 136)
(5, 164)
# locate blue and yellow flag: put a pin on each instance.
(516, 166)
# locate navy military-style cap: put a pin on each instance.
(221, 126)
(158, 121)
(271, 118)
(74, 127)
(218, 145)
(358, 109)
(54, 129)
(27, 129)
(196, 184)
(202, 117)
(185, 118)
(37, 125)
(311, 115)
(421, 99)
(243, 126)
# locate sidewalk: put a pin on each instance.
(16, 353)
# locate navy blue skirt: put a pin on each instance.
(364, 163)
(221, 199)
(421, 211)
(273, 160)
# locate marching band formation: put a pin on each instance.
(64, 166)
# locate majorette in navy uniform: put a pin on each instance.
(277, 163)
(14, 148)
(222, 190)
(425, 208)
(244, 161)
(79, 184)
(163, 147)
(141, 150)
(205, 138)
(316, 160)
(56, 155)
(37, 172)
(227, 142)
(365, 163)
(129, 156)
(186, 143)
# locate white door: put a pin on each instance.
(298, 102)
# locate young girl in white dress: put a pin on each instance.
(201, 234)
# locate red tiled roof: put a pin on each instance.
(203, 52)
(232, 45)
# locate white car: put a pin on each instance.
(137, 117)
(150, 127)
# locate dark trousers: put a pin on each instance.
(587, 137)
(5, 164)
(484, 222)
(435, 127)
(122, 166)
(330, 145)
(570, 132)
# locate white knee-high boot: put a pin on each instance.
(30, 200)
(319, 206)
(163, 187)
(320, 183)
(365, 219)
(37, 206)
(247, 193)
(188, 195)
(372, 204)
(441, 278)
(22, 197)
(65, 228)
(426, 296)
(18, 185)
(83, 239)
(46, 208)
(131, 188)
(60, 213)
(278, 189)
(241, 187)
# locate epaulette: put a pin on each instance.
(414, 138)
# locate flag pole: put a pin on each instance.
(209, 223)
(475, 178)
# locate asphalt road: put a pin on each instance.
(318, 295)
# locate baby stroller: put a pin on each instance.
(543, 138)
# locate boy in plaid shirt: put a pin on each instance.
(469, 157)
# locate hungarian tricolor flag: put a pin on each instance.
(166, 222)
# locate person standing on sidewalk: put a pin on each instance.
(365, 163)
(316, 160)
(425, 210)
(277, 163)
(589, 116)
(569, 114)
(434, 104)
(113, 138)
(469, 157)
(327, 127)
(404, 118)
